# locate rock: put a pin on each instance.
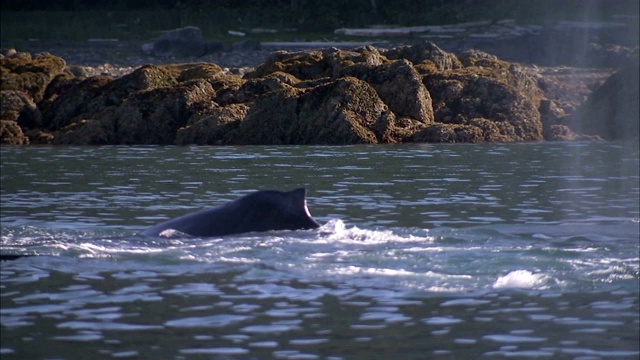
(284, 78)
(425, 53)
(304, 65)
(346, 111)
(399, 86)
(225, 87)
(187, 41)
(559, 133)
(11, 133)
(144, 107)
(199, 71)
(80, 71)
(60, 84)
(339, 60)
(316, 64)
(555, 122)
(86, 132)
(612, 110)
(22, 62)
(476, 130)
(18, 106)
(396, 83)
(327, 96)
(212, 129)
(28, 74)
(493, 131)
(477, 58)
(255, 88)
(8, 52)
(569, 87)
(450, 133)
(153, 117)
(271, 119)
(81, 100)
(40, 137)
(95, 94)
(504, 95)
(145, 117)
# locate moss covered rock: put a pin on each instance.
(214, 128)
(28, 74)
(11, 133)
(503, 94)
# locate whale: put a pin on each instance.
(260, 211)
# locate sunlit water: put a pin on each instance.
(426, 252)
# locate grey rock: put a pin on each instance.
(186, 41)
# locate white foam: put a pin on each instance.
(520, 279)
(336, 231)
(170, 233)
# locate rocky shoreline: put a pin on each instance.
(110, 93)
(118, 58)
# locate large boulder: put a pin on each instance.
(153, 117)
(502, 93)
(612, 110)
(146, 117)
(396, 83)
(345, 111)
(426, 54)
(147, 106)
(213, 128)
(399, 86)
(94, 94)
(81, 100)
(31, 75)
(97, 107)
(187, 41)
(60, 84)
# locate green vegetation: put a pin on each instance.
(128, 20)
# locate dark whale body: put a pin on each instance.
(259, 211)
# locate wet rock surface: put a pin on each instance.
(417, 93)
(611, 111)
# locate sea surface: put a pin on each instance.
(425, 252)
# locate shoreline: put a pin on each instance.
(118, 58)
(225, 95)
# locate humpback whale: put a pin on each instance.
(259, 211)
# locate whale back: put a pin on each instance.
(256, 212)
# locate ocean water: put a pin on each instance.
(425, 252)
